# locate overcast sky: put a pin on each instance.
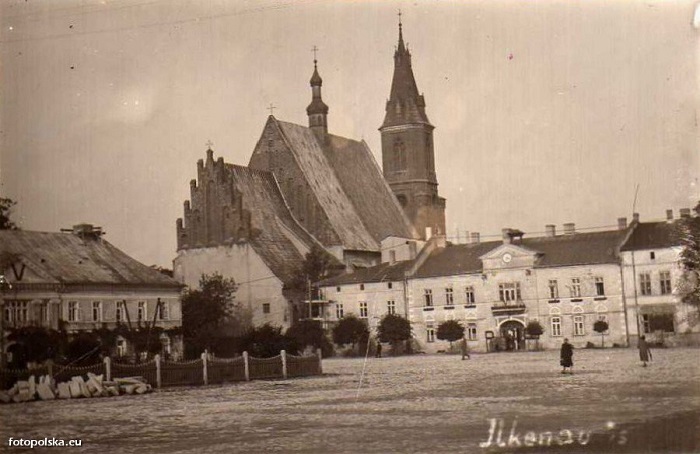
(545, 112)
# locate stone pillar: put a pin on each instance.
(159, 379)
(205, 375)
(283, 355)
(247, 366)
(320, 365)
(108, 368)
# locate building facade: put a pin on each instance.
(79, 282)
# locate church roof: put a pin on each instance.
(66, 258)
(349, 186)
(278, 238)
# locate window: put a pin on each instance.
(470, 295)
(121, 347)
(599, 286)
(362, 286)
(658, 322)
(471, 332)
(428, 297)
(337, 289)
(449, 296)
(645, 284)
(509, 292)
(665, 281)
(399, 155)
(553, 289)
(141, 311)
(167, 345)
(363, 310)
(16, 312)
(430, 334)
(96, 311)
(652, 255)
(339, 311)
(391, 307)
(120, 311)
(556, 326)
(575, 287)
(73, 311)
(164, 311)
(578, 325)
(389, 284)
(266, 308)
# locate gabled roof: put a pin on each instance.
(278, 237)
(66, 258)
(654, 235)
(456, 259)
(364, 184)
(385, 272)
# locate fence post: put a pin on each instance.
(320, 365)
(283, 355)
(159, 380)
(205, 374)
(108, 368)
(247, 367)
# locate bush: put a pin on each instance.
(590, 345)
(350, 330)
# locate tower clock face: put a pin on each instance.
(507, 257)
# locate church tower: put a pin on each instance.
(317, 110)
(408, 157)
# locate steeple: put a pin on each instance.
(405, 104)
(317, 110)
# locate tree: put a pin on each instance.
(208, 310)
(394, 329)
(318, 265)
(350, 330)
(689, 286)
(534, 329)
(601, 326)
(266, 341)
(450, 330)
(308, 333)
(5, 212)
(35, 344)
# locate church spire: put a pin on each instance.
(317, 110)
(405, 105)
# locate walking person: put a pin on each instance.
(644, 351)
(465, 349)
(567, 357)
(379, 350)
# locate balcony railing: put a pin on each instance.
(508, 307)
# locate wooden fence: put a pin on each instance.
(203, 371)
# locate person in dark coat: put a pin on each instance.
(644, 351)
(465, 349)
(567, 357)
(379, 350)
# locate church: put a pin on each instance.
(306, 187)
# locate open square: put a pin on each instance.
(422, 403)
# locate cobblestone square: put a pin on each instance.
(410, 404)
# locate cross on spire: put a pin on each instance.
(209, 144)
(314, 50)
(399, 17)
(271, 108)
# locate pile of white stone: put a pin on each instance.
(46, 388)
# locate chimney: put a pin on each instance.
(86, 231)
(621, 223)
(507, 239)
(551, 230)
(669, 215)
(474, 237)
(685, 213)
(635, 217)
(569, 228)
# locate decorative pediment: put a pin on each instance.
(509, 256)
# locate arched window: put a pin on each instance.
(399, 155)
(402, 200)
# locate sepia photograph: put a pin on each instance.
(346, 226)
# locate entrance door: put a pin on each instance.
(514, 334)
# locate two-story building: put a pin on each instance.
(80, 282)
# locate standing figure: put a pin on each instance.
(567, 357)
(379, 350)
(465, 349)
(644, 351)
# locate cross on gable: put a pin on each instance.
(271, 108)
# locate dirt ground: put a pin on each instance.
(507, 402)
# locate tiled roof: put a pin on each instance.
(278, 237)
(66, 258)
(364, 184)
(385, 272)
(562, 250)
(653, 235)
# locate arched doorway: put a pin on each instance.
(513, 334)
